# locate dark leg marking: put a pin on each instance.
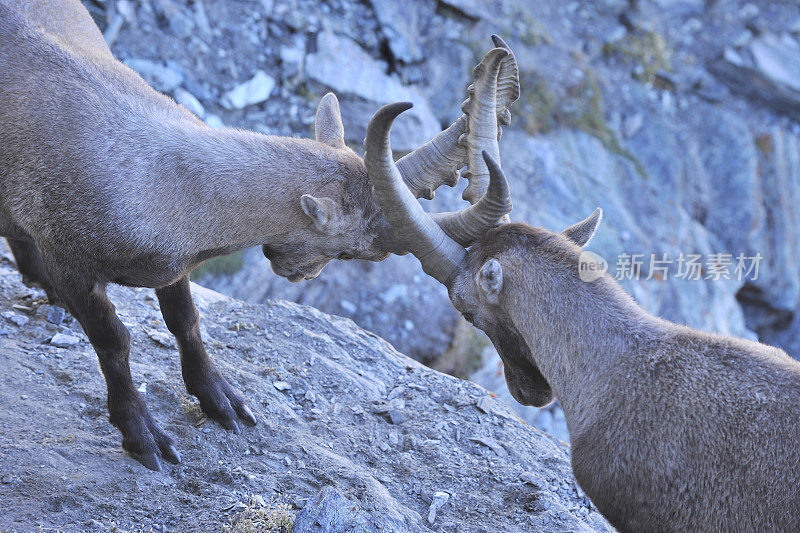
(218, 399)
(141, 435)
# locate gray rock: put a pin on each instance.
(440, 498)
(63, 340)
(475, 9)
(14, 318)
(330, 512)
(360, 81)
(253, 91)
(767, 70)
(55, 314)
(401, 24)
(188, 100)
(160, 76)
(214, 121)
(381, 476)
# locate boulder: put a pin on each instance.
(362, 85)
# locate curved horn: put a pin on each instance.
(467, 226)
(507, 83)
(413, 228)
(481, 108)
(438, 161)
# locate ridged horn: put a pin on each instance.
(507, 83)
(436, 162)
(413, 229)
(481, 108)
(468, 225)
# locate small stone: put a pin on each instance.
(188, 100)
(484, 404)
(142, 387)
(6, 479)
(533, 480)
(439, 499)
(159, 337)
(281, 385)
(632, 124)
(214, 121)
(254, 91)
(162, 77)
(396, 417)
(348, 306)
(257, 499)
(56, 315)
(62, 340)
(491, 443)
(18, 320)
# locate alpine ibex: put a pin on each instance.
(672, 429)
(104, 180)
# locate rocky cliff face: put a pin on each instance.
(351, 435)
(678, 117)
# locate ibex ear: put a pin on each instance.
(319, 210)
(328, 124)
(581, 232)
(490, 280)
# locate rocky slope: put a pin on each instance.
(678, 117)
(351, 434)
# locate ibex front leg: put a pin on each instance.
(218, 399)
(141, 436)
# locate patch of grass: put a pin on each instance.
(190, 406)
(463, 356)
(589, 116)
(540, 105)
(277, 517)
(224, 264)
(647, 49)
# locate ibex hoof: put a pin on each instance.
(220, 401)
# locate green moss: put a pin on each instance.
(222, 265)
(277, 517)
(648, 49)
(464, 355)
(540, 105)
(589, 116)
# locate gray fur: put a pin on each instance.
(672, 429)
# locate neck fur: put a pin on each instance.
(227, 189)
(581, 335)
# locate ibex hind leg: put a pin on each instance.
(219, 400)
(31, 265)
(88, 302)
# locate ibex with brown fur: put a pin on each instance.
(672, 429)
(104, 180)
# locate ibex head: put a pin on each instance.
(343, 221)
(346, 223)
(511, 265)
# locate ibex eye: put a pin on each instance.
(468, 317)
(345, 257)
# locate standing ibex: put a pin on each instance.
(104, 180)
(672, 429)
